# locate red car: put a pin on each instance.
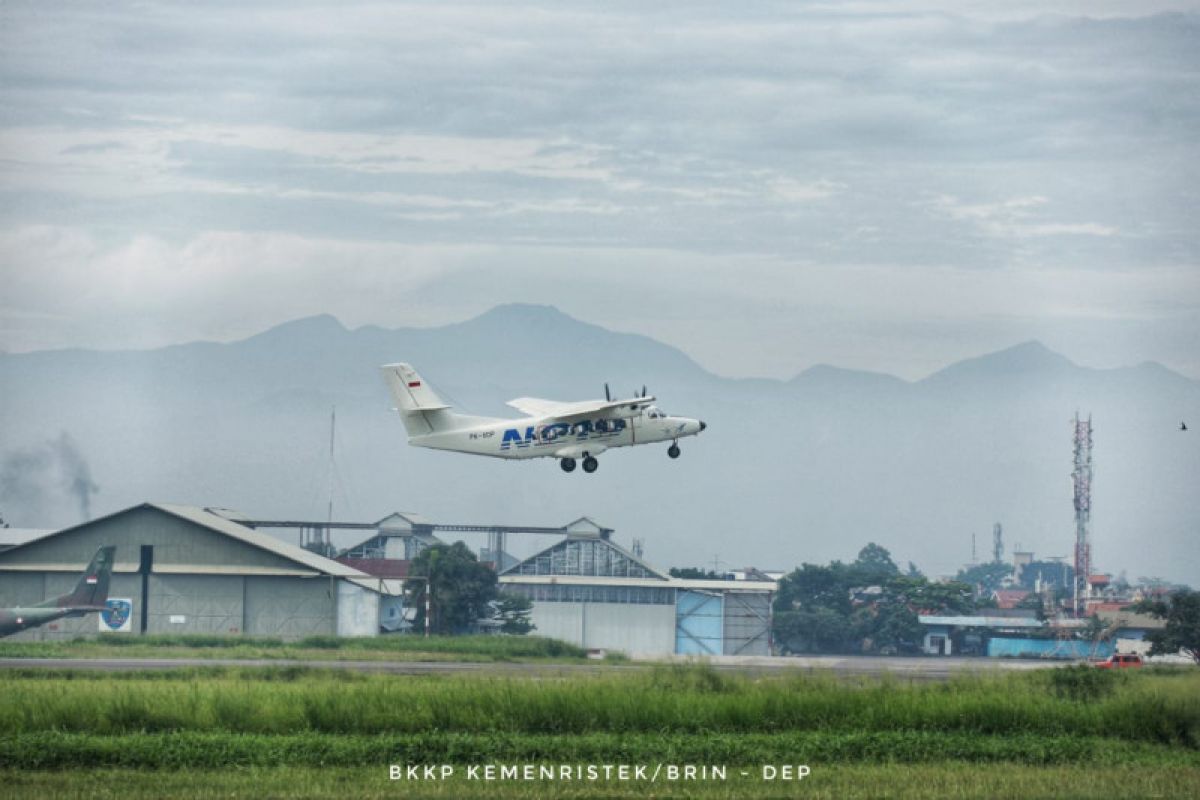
(1120, 661)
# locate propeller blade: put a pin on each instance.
(643, 390)
(607, 396)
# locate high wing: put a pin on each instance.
(587, 409)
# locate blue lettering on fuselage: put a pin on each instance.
(558, 431)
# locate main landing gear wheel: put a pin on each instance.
(567, 464)
(590, 464)
(673, 451)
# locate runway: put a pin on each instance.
(842, 666)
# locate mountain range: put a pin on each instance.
(805, 470)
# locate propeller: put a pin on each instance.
(607, 395)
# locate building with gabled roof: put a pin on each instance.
(591, 592)
(400, 536)
(186, 569)
(1010, 598)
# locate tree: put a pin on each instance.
(987, 577)
(1182, 632)
(931, 598)
(892, 625)
(818, 631)
(874, 565)
(810, 587)
(814, 609)
(514, 610)
(460, 588)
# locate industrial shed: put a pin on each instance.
(589, 591)
(185, 569)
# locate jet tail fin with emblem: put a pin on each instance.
(92, 589)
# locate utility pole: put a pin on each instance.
(332, 475)
(429, 592)
(1082, 478)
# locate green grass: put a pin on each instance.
(293, 731)
(413, 648)
(1161, 709)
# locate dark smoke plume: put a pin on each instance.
(35, 482)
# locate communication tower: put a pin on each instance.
(1082, 476)
(997, 543)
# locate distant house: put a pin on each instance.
(1127, 628)
(1009, 598)
(960, 634)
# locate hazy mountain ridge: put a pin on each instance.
(789, 471)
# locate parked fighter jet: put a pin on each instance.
(566, 431)
(89, 596)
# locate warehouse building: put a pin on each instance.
(185, 569)
(593, 593)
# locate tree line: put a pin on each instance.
(866, 606)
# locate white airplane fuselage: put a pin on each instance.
(537, 437)
(549, 429)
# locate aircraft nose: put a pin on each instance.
(702, 425)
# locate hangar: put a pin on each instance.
(591, 592)
(186, 569)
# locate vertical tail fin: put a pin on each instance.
(421, 410)
(409, 390)
(92, 588)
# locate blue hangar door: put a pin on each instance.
(699, 623)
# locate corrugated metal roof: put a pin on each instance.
(262, 541)
(11, 537)
(670, 583)
(981, 622)
(406, 516)
(316, 564)
(1131, 619)
(606, 542)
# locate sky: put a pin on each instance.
(890, 186)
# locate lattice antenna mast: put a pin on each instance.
(1082, 476)
(997, 543)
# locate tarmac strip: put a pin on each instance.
(899, 667)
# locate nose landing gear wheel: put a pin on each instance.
(673, 451)
(567, 464)
(590, 464)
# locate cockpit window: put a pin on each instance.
(654, 412)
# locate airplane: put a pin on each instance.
(566, 431)
(89, 596)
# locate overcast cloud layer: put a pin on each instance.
(890, 186)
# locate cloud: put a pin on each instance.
(169, 152)
(1014, 218)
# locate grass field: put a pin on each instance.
(297, 732)
(312, 648)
